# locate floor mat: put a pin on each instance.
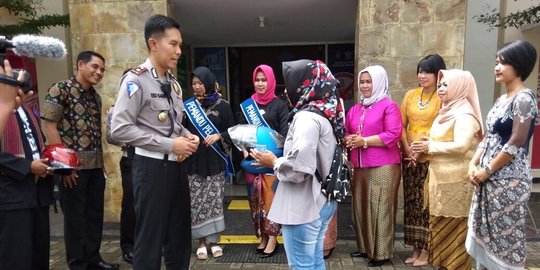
(241, 253)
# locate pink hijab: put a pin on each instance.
(271, 83)
(462, 96)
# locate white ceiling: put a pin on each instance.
(236, 22)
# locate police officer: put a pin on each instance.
(148, 115)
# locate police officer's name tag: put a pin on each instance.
(132, 87)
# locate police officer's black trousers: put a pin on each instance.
(127, 216)
(24, 239)
(82, 206)
(163, 211)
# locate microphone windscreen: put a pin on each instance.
(38, 46)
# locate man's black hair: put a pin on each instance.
(86, 56)
(156, 25)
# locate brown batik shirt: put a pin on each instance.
(78, 114)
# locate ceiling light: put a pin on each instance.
(261, 21)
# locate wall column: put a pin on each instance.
(115, 29)
(480, 49)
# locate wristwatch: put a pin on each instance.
(488, 169)
(365, 143)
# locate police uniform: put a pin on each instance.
(148, 115)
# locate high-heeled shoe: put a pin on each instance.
(375, 263)
(259, 250)
(359, 254)
(268, 255)
(329, 254)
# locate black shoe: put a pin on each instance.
(329, 254)
(358, 254)
(259, 250)
(268, 255)
(103, 265)
(374, 263)
(128, 257)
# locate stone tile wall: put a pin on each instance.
(398, 33)
(115, 29)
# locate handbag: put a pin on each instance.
(336, 185)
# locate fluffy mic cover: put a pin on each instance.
(36, 46)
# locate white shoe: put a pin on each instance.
(202, 254)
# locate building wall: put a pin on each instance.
(51, 71)
(531, 33)
(115, 29)
(481, 44)
(397, 34)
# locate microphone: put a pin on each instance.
(34, 46)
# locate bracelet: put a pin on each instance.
(488, 169)
(365, 143)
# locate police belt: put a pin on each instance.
(156, 155)
(128, 151)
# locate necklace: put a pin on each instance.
(424, 106)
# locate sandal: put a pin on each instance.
(216, 251)
(202, 254)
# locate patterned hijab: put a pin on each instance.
(271, 85)
(210, 85)
(311, 85)
(462, 96)
(379, 82)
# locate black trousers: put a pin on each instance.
(163, 211)
(82, 206)
(127, 216)
(24, 239)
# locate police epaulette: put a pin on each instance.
(139, 70)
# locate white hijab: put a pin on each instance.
(379, 82)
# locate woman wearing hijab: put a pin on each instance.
(207, 167)
(299, 205)
(452, 140)
(373, 132)
(273, 113)
(500, 168)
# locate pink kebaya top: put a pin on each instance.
(383, 119)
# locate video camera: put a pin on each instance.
(30, 46)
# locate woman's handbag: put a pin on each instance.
(336, 185)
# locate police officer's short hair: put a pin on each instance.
(86, 56)
(521, 55)
(156, 25)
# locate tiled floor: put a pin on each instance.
(240, 221)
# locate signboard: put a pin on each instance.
(341, 63)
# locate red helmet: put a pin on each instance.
(61, 158)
